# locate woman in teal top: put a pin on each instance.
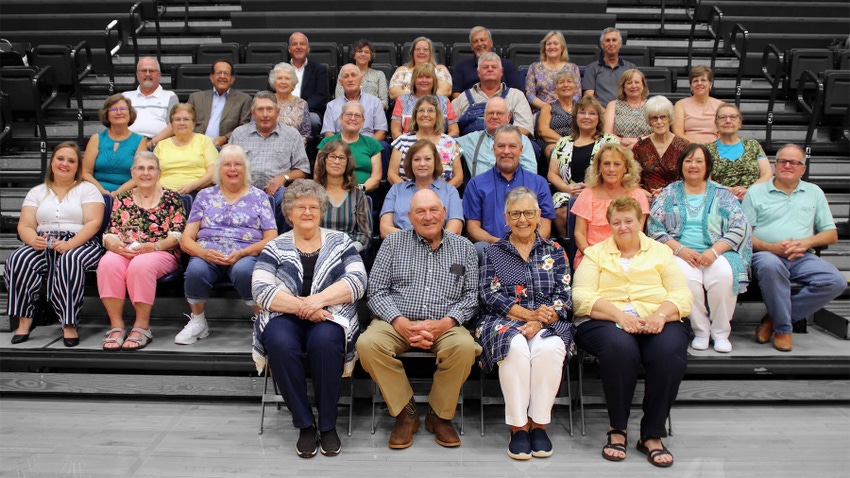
(109, 154)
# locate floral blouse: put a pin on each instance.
(732, 172)
(403, 74)
(507, 279)
(229, 227)
(130, 223)
(657, 172)
(295, 113)
(540, 82)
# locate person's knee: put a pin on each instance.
(766, 264)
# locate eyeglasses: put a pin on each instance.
(352, 115)
(429, 111)
(145, 71)
(497, 114)
(221, 73)
(339, 158)
(302, 209)
(588, 113)
(528, 213)
(729, 117)
(789, 162)
(146, 169)
(181, 120)
(116, 109)
(653, 119)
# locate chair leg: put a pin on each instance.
(460, 399)
(670, 424)
(263, 399)
(481, 396)
(351, 403)
(569, 394)
(581, 357)
(374, 404)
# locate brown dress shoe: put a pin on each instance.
(765, 329)
(782, 342)
(406, 424)
(443, 430)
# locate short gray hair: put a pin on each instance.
(231, 150)
(352, 104)
(657, 105)
(301, 188)
(516, 194)
(508, 128)
(609, 30)
(286, 68)
(478, 29)
(561, 74)
(265, 95)
(145, 155)
(489, 56)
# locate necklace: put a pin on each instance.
(694, 211)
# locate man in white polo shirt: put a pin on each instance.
(151, 101)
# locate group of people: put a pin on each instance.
(674, 215)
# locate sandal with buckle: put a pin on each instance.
(145, 337)
(621, 447)
(651, 455)
(108, 339)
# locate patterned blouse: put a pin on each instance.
(540, 82)
(229, 227)
(351, 216)
(295, 113)
(402, 75)
(563, 152)
(130, 223)
(732, 172)
(403, 111)
(630, 122)
(561, 119)
(447, 147)
(508, 279)
(657, 172)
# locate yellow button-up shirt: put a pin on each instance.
(654, 277)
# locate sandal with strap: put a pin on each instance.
(145, 337)
(108, 339)
(621, 447)
(651, 455)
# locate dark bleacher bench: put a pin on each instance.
(723, 27)
(541, 6)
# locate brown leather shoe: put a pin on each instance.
(782, 342)
(443, 430)
(406, 424)
(765, 329)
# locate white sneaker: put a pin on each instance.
(722, 345)
(699, 343)
(193, 331)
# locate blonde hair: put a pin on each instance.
(631, 178)
(565, 56)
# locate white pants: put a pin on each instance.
(715, 281)
(530, 376)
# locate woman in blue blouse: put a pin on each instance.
(109, 154)
(525, 297)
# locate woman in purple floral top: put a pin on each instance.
(228, 227)
(524, 328)
(540, 80)
(141, 246)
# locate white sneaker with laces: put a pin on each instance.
(699, 343)
(722, 345)
(193, 331)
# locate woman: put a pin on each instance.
(58, 222)
(614, 173)
(525, 300)
(624, 117)
(738, 163)
(424, 81)
(348, 208)
(142, 245)
(694, 116)
(540, 82)
(307, 282)
(229, 225)
(426, 172)
(629, 296)
(109, 154)
(658, 153)
(703, 224)
(554, 120)
(427, 123)
(374, 82)
(294, 111)
(573, 154)
(421, 51)
(187, 157)
(365, 149)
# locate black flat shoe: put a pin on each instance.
(19, 339)
(73, 342)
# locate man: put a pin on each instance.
(484, 197)
(375, 118)
(465, 73)
(470, 104)
(152, 103)
(478, 146)
(790, 217)
(312, 84)
(275, 151)
(422, 288)
(218, 111)
(601, 77)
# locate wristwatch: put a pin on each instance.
(287, 178)
(156, 246)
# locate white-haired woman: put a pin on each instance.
(657, 153)
(294, 111)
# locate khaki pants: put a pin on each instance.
(456, 352)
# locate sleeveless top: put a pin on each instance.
(561, 119)
(630, 122)
(112, 165)
(699, 121)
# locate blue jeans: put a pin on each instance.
(200, 277)
(821, 283)
(285, 339)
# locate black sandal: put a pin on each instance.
(651, 455)
(621, 447)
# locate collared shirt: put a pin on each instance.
(653, 277)
(299, 72)
(603, 79)
(486, 158)
(776, 216)
(278, 153)
(484, 198)
(151, 111)
(410, 279)
(398, 199)
(375, 120)
(218, 102)
(518, 104)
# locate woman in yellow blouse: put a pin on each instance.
(629, 296)
(187, 158)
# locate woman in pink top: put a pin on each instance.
(613, 173)
(694, 116)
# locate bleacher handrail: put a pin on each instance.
(774, 79)
(813, 108)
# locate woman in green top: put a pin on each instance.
(738, 163)
(366, 150)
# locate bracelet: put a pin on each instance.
(678, 250)
(662, 315)
(156, 246)
(716, 256)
